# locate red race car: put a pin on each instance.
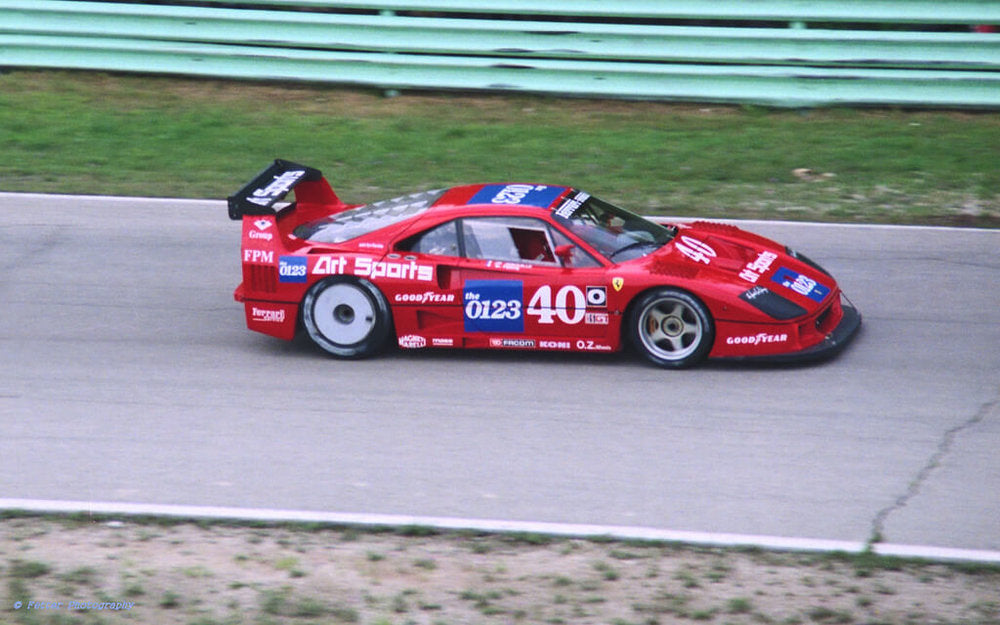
(522, 266)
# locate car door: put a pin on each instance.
(500, 284)
(517, 292)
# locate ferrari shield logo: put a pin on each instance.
(618, 283)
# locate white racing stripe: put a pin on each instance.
(622, 532)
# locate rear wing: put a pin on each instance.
(259, 196)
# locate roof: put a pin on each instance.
(505, 194)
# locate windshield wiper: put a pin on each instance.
(632, 246)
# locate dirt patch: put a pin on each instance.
(190, 573)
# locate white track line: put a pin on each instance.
(110, 199)
(622, 532)
(7, 195)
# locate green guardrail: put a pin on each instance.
(775, 52)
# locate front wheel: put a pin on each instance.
(347, 318)
(671, 328)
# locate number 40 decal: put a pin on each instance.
(541, 305)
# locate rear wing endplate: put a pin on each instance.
(259, 196)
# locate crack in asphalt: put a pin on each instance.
(913, 488)
(32, 252)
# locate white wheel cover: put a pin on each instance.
(343, 314)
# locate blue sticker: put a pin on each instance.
(292, 269)
(493, 305)
(803, 285)
(517, 195)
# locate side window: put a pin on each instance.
(517, 239)
(578, 258)
(441, 240)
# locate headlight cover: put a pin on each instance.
(772, 304)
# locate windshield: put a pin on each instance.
(614, 232)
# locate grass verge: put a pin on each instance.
(214, 573)
(96, 133)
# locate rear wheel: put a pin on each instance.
(347, 318)
(671, 328)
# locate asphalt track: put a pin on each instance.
(127, 378)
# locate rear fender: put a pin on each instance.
(261, 256)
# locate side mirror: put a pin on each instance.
(565, 254)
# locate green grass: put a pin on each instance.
(136, 135)
(24, 569)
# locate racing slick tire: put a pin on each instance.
(671, 328)
(349, 318)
